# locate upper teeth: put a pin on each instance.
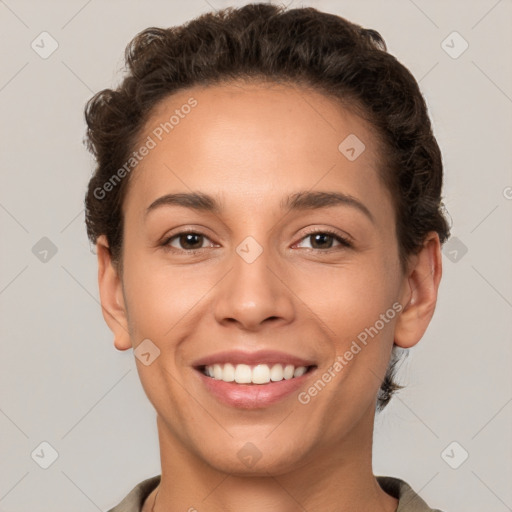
(258, 374)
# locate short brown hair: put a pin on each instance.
(300, 46)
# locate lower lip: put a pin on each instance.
(253, 396)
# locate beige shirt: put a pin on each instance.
(408, 500)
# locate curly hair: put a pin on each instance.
(259, 41)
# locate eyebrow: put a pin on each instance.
(305, 200)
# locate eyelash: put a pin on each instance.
(344, 241)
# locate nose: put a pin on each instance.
(254, 294)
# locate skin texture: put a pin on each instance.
(250, 146)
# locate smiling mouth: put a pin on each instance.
(254, 374)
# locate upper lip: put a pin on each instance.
(251, 358)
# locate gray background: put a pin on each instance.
(63, 382)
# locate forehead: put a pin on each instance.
(256, 139)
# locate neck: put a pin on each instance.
(333, 480)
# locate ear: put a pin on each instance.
(419, 293)
(111, 296)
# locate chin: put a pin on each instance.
(255, 458)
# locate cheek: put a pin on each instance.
(355, 306)
(166, 299)
(160, 296)
(350, 297)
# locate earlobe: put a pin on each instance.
(111, 296)
(419, 293)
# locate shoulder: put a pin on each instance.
(408, 499)
(135, 499)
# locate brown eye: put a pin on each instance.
(188, 241)
(321, 240)
(324, 240)
(191, 241)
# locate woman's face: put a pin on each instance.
(253, 285)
